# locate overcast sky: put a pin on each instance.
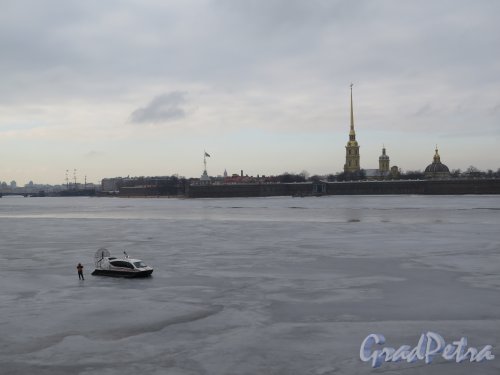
(142, 88)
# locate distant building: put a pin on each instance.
(395, 172)
(383, 162)
(372, 174)
(352, 148)
(205, 179)
(383, 168)
(111, 184)
(437, 169)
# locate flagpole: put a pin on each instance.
(205, 160)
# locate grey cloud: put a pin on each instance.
(425, 110)
(97, 51)
(234, 42)
(495, 109)
(163, 108)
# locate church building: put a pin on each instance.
(437, 170)
(352, 149)
(383, 170)
(383, 162)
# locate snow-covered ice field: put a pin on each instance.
(246, 286)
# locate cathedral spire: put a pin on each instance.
(352, 115)
(352, 148)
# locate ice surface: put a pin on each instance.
(246, 286)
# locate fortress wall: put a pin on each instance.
(248, 190)
(138, 191)
(472, 186)
(376, 187)
(431, 187)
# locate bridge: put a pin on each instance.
(23, 193)
(41, 193)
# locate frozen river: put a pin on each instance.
(246, 286)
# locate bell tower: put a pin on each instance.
(352, 147)
(383, 162)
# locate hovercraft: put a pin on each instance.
(106, 265)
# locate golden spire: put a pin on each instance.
(352, 148)
(352, 114)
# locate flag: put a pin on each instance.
(207, 154)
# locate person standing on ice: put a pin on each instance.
(80, 271)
